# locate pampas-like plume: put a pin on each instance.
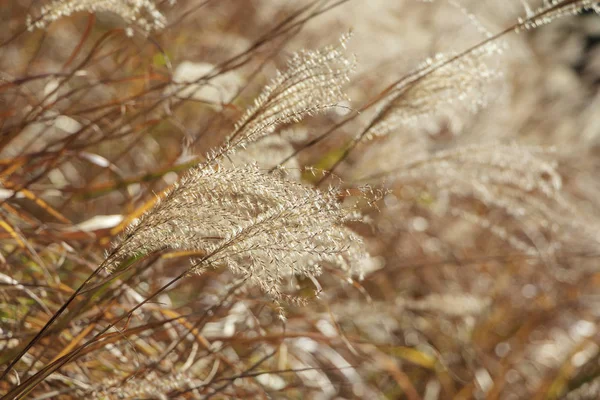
(443, 84)
(261, 226)
(513, 178)
(553, 9)
(311, 83)
(141, 13)
(489, 165)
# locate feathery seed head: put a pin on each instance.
(141, 13)
(311, 83)
(261, 226)
(444, 84)
(515, 179)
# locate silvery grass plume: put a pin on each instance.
(263, 227)
(140, 13)
(516, 179)
(553, 9)
(447, 84)
(452, 83)
(311, 83)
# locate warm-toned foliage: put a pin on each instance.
(317, 199)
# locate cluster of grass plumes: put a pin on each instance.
(516, 180)
(432, 235)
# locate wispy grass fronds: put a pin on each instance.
(261, 226)
(311, 83)
(140, 13)
(489, 164)
(481, 277)
(440, 86)
(519, 180)
(266, 152)
(553, 9)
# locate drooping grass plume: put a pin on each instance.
(516, 179)
(311, 83)
(440, 87)
(259, 225)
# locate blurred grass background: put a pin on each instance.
(91, 129)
